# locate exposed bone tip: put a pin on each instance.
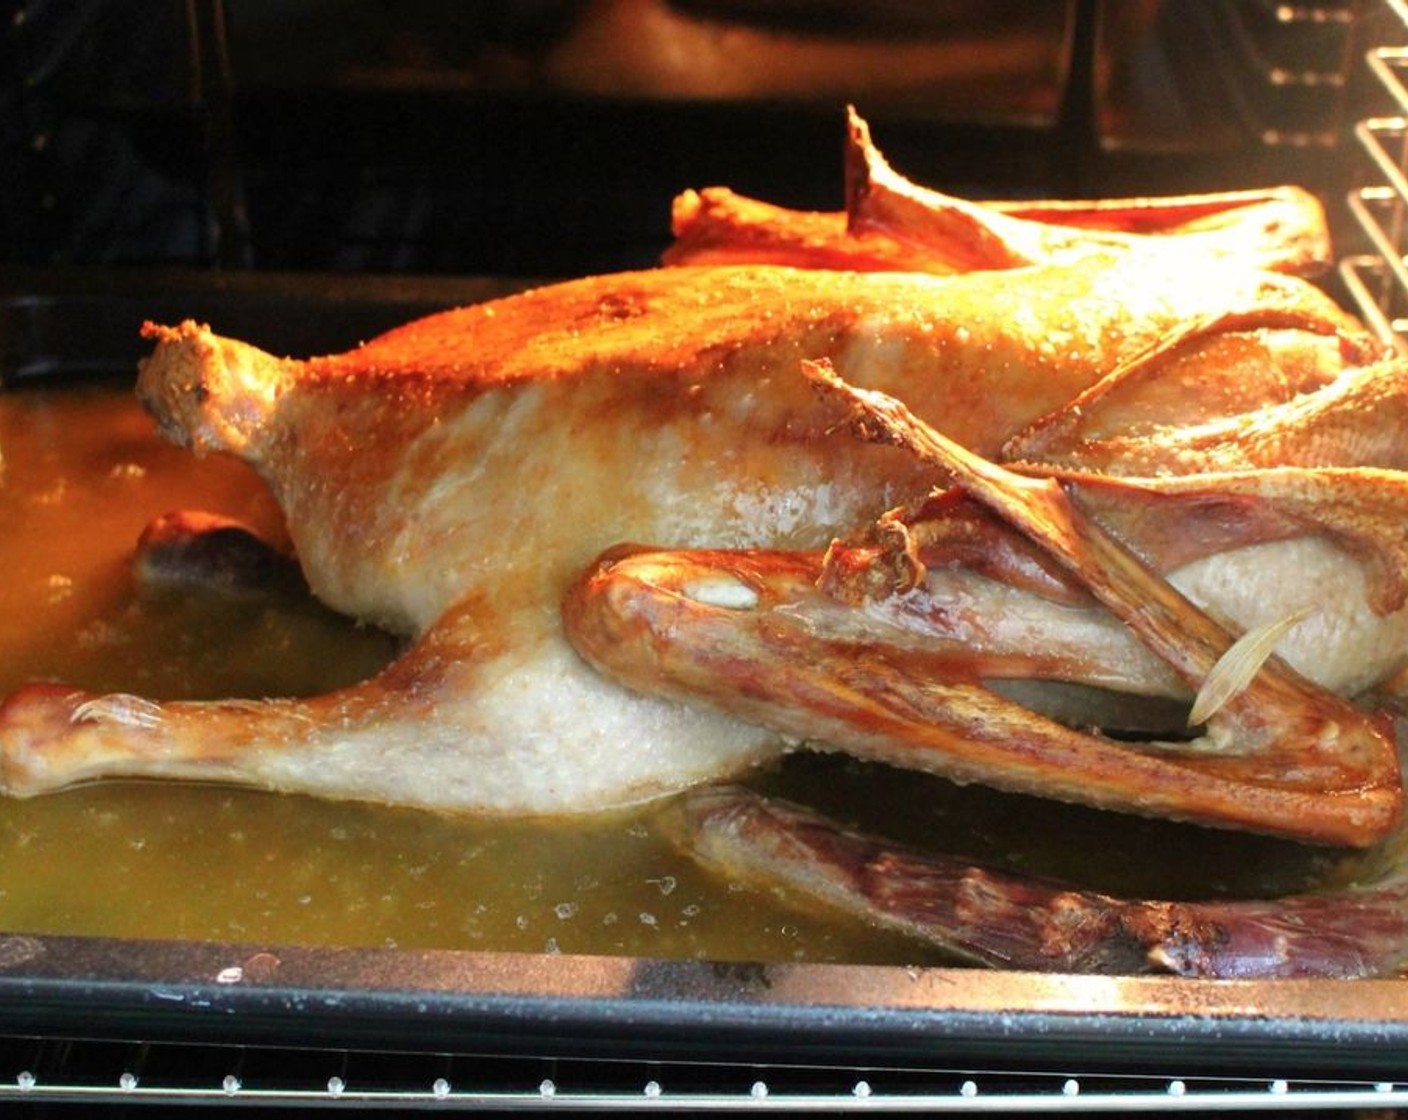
(721, 591)
(207, 392)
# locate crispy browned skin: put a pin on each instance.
(891, 224)
(639, 380)
(1357, 419)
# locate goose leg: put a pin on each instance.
(484, 713)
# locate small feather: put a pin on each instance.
(1236, 668)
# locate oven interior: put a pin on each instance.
(311, 173)
(547, 137)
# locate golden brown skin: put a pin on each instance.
(640, 381)
(892, 224)
(1355, 420)
(449, 479)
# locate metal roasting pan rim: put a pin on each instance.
(678, 1010)
(56, 323)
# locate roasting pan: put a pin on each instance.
(219, 1022)
(122, 1021)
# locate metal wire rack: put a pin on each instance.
(93, 1073)
(1378, 279)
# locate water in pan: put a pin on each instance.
(83, 473)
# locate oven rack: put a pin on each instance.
(1286, 67)
(51, 1071)
(1377, 280)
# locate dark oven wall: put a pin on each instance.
(547, 137)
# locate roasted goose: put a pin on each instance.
(452, 480)
(448, 481)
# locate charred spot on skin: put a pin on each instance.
(618, 306)
(1176, 942)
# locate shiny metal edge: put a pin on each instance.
(663, 1010)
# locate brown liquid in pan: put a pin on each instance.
(83, 472)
